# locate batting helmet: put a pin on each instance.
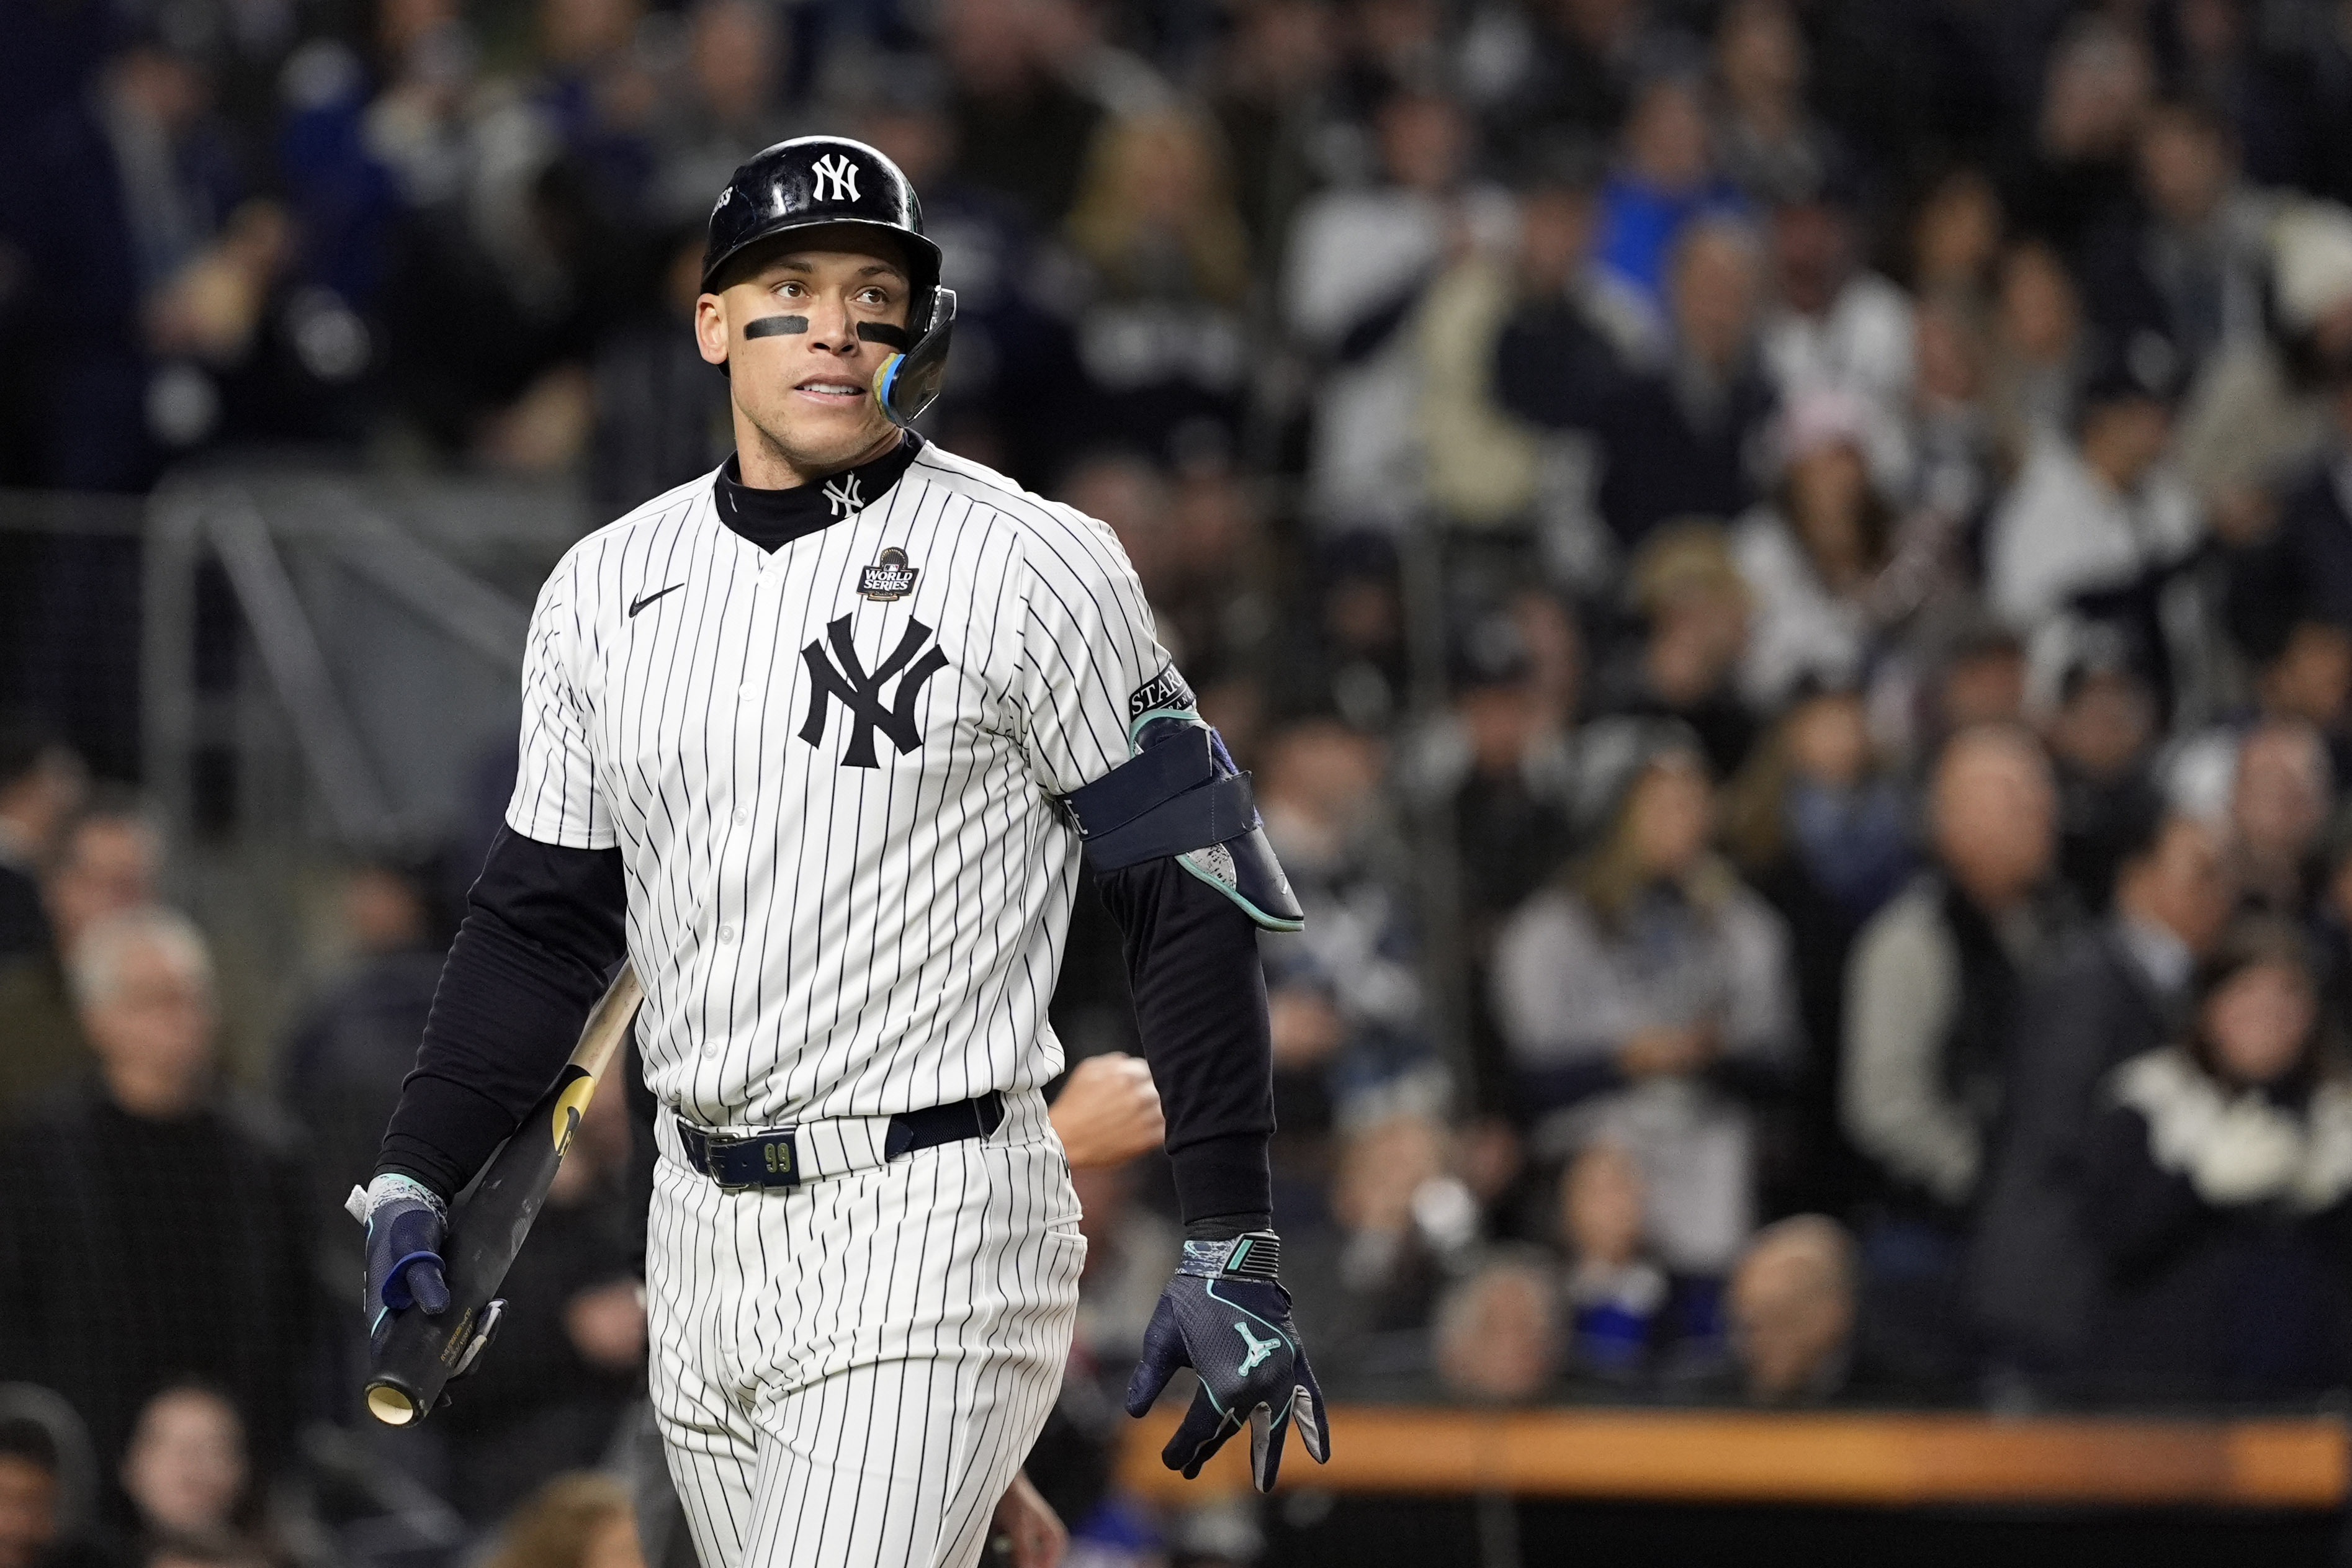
(814, 181)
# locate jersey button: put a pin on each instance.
(747, 689)
(743, 814)
(726, 934)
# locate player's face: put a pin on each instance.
(802, 377)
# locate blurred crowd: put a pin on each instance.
(1784, 567)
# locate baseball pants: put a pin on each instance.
(848, 1373)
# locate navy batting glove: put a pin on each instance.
(405, 1223)
(1227, 1316)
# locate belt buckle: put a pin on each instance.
(779, 1151)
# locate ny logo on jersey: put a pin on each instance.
(842, 498)
(843, 677)
(837, 177)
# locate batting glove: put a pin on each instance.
(1227, 1316)
(405, 1223)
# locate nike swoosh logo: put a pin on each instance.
(638, 604)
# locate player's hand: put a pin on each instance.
(405, 1223)
(1109, 1111)
(1027, 1533)
(1227, 1316)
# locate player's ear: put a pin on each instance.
(710, 329)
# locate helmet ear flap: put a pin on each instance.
(908, 382)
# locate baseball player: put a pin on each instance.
(820, 742)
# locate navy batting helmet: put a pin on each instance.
(814, 181)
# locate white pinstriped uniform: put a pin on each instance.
(846, 1373)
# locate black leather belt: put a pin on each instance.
(770, 1159)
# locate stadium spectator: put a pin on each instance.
(108, 860)
(41, 786)
(189, 1479)
(1814, 554)
(1616, 1296)
(1682, 440)
(575, 1308)
(2116, 994)
(339, 1069)
(46, 1483)
(2100, 740)
(1766, 140)
(2279, 797)
(1663, 180)
(1822, 829)
(1932, 996)
(2188, 265)
(1685, 666)
(2094, 526)
(1833, 326)
(1497, 1333)
(577, 1520)
(2220, 1174)
(1161, 335)
(1343, 996)
(97, 1203)
(1793, 1305)
(1647, 997)
(1358, 265)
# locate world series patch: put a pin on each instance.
(888, 578)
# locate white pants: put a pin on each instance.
(848, 1373)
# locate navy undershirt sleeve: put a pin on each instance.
(542, 934)
(1199, 1007)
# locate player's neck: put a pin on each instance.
(765, 465)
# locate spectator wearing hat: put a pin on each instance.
(1685, 664)
(1506, 758)
(2219, 1169)
(1834, 326)
(2100, 735)
(1647, 997)
(1344, 997)
(48, 1482)
(2097, 527)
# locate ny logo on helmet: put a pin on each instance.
(837, 177)
(845, 678)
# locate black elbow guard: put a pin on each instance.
(1180, 795)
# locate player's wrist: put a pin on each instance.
(1225, 1227)
(1256, 1255)
(393, 1186)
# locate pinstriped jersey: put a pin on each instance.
(830, 772)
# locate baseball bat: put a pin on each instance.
(421, 1353)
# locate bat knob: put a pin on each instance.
(393, 1406)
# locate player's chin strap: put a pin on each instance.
(910, 379)
(1180, 795)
